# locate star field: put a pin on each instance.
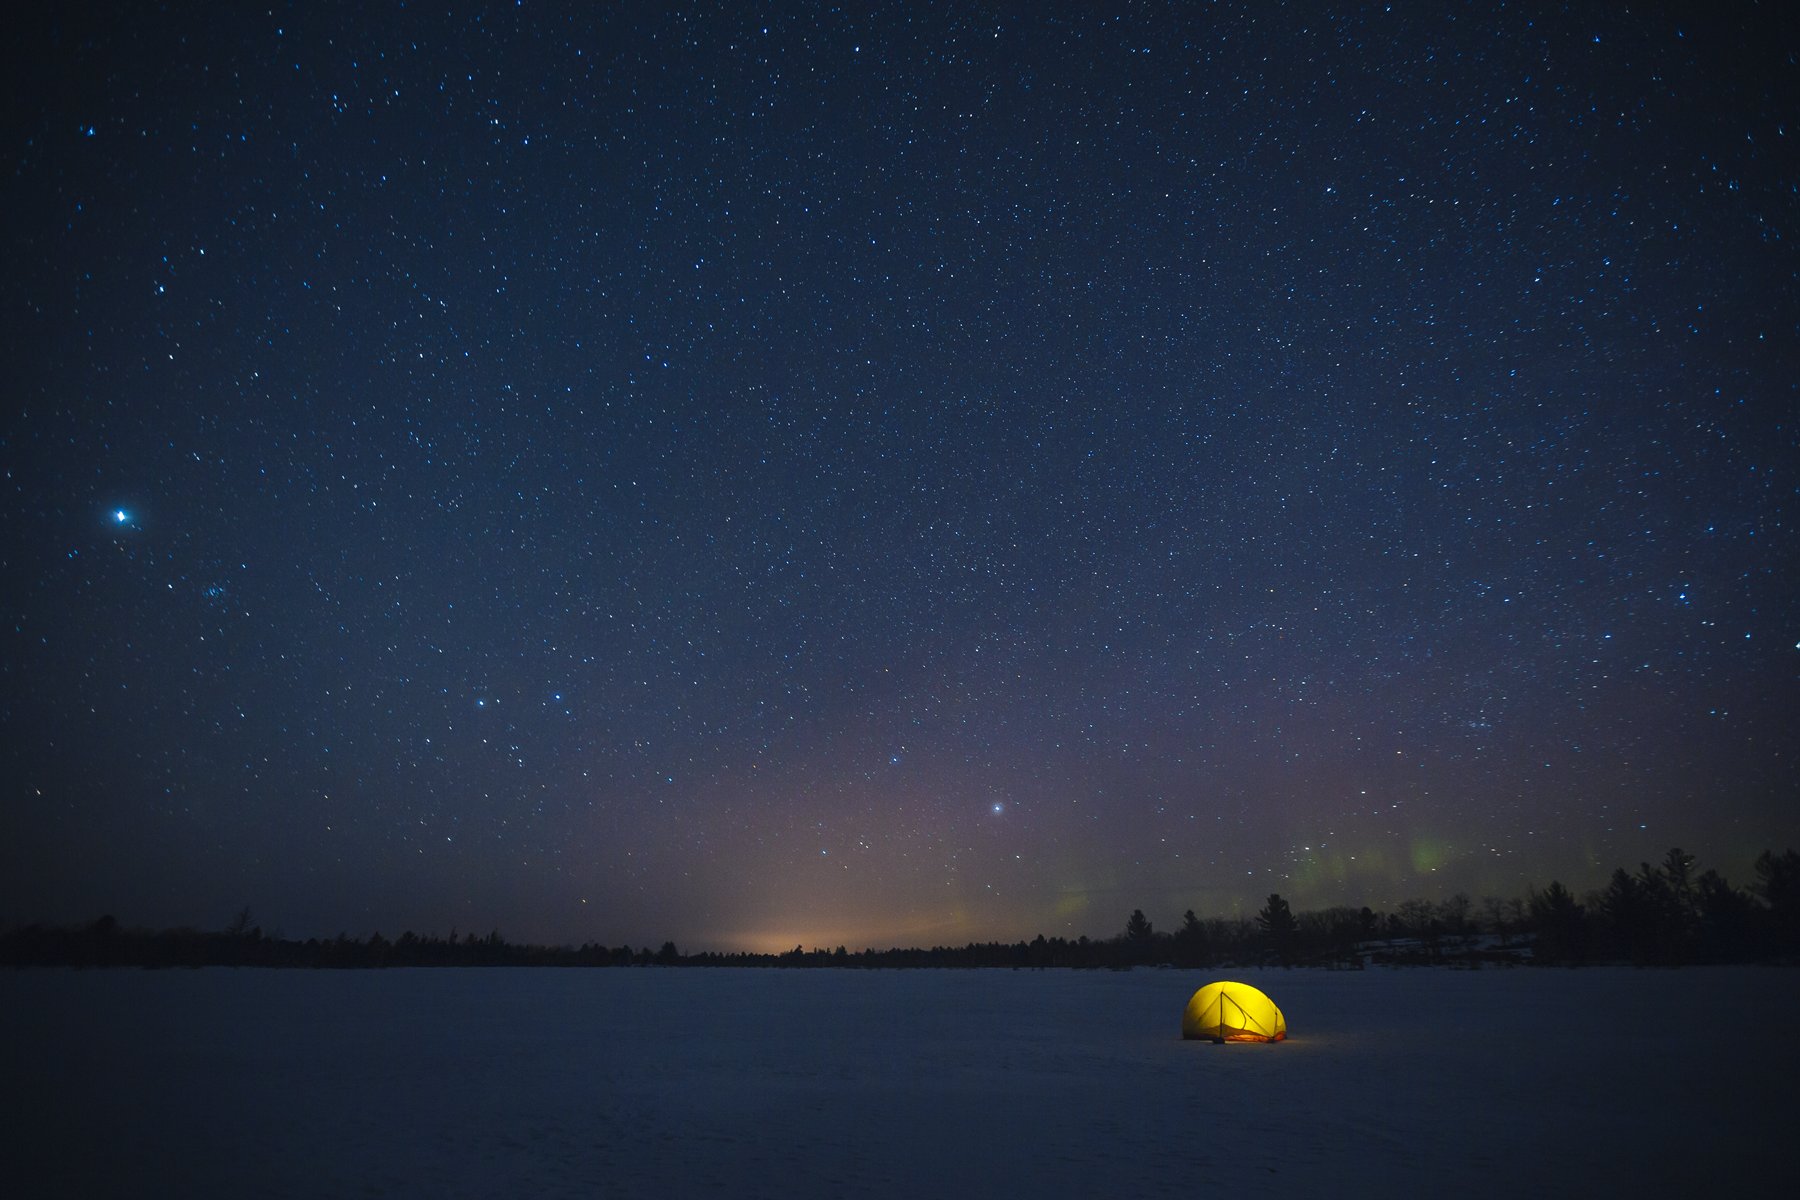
(879, 475)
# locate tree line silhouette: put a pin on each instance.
(1662, 915)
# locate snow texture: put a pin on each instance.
(669, 1082)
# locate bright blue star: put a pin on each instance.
(120, 516)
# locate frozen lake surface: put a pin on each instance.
(781, 1083)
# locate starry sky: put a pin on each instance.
(762, 475)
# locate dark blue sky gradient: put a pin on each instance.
(891, 476)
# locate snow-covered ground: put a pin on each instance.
(899, 1083)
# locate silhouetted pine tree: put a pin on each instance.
(1561, 926)
(1190, 941)
(1727, 919)
(1276, 922)
(1138, 946)
(1778, 884)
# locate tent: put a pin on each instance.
(1232, 1012)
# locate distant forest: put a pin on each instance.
(1662, 915)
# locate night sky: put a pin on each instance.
(883, 476)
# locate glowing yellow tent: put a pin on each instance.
(1232, 1012)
